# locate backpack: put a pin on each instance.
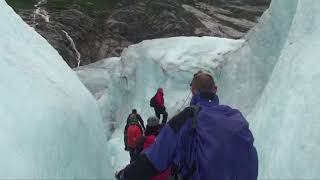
(153, 101)
(242, 167)
(134, 133)
(132, 119)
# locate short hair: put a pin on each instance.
(134, 111)
(202, 81)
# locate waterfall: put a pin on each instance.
(40, 12)
(74, 47)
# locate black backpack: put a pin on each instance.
(153, 101)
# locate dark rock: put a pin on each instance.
(153, 19)
(252, 2)
(168, 18)
(92, 40)
(98, 35)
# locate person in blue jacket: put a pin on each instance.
(206, 141)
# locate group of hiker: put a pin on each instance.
(205, 141)
(135, 128)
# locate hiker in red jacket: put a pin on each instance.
(132, 133)
(206, 141)
(159, 107)
(152, 131)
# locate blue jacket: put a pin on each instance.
(218, 147)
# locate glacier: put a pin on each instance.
(272, 76)
(287, 108)
(121, 84)
(51, 127)
(276, 78)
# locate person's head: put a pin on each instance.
(153, 126)
(134, 111)
(160, 90)
(203, 82)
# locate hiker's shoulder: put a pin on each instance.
(180, 119)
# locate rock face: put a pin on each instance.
(91, 40)
(153, 19)
(100, 35)
(252, 2)
(148, 19)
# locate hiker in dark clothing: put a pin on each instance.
(132, 132)
(206, 141)
(159, 107)
(139, 118)
(152, 130)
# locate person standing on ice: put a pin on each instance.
(206, 141)
(157, 102)
(139, 118)
(152, 130)
(132, 132)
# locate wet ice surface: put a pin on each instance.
(273, 78)
(51, 127)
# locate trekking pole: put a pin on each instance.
(184, 102)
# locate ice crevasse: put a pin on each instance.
(121, 84)
(51, 127)
(272, 77)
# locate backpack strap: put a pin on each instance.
(176, 124)
(190, 172)
(132, 118)
(175, 171)
(181, 118)
(196, 109)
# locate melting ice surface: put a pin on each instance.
(51, 127)
(273, 78)
(120, 84)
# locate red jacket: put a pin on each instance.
(148, 141)
(159, 99)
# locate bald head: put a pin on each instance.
(203, 82)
